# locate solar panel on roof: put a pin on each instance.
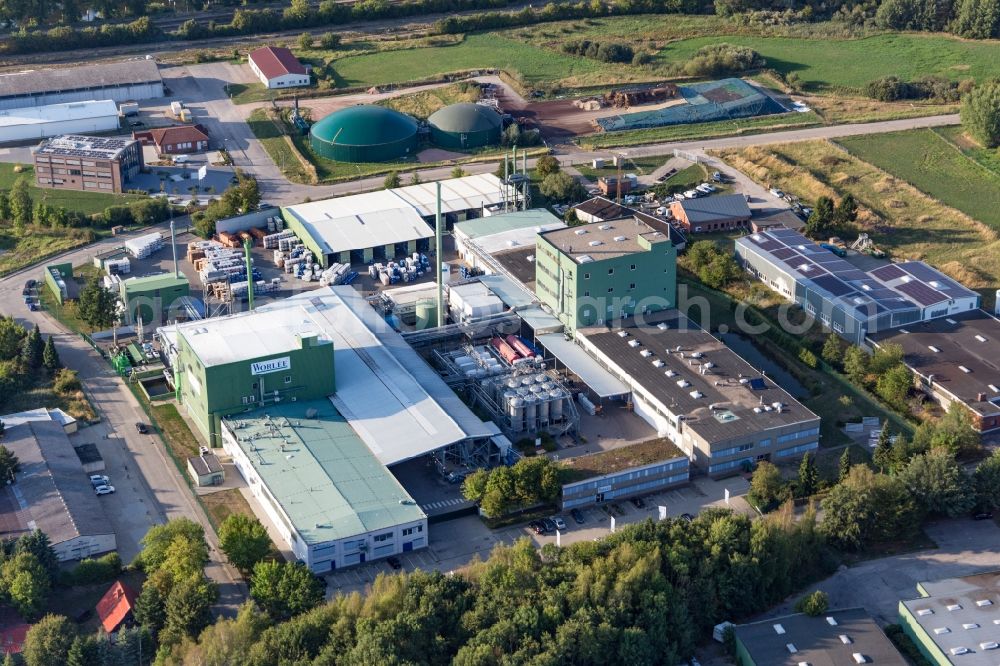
(920, 271)
(784, 253)
(832, 285)
(770, 245)
(921, 293)
(888, 273)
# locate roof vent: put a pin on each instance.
(989, 645)
(970, 625)
(634, 343)
(645, 353)
(791, 647)
(845, 639)
(859, 658)
(580, 232)
(662, 326)
(934, 349)
(984, 602)
(778, 629)
(980, 338)
(670, 373)
(622, 334)
(925, 611)
(604, 227)
(964, 369)
(950, 320)
(960, 650)
(683, 383)
(832, 621)
(658, 363)
(696, 394)
(942, 630)
(619, 239)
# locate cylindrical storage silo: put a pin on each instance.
(530, 407)
(364, 133)
(464, 126)
(426, 312)
(543, 409)
(556, 404)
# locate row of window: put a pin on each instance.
(611, 271)
(801, 448)
(810, 432)
(729, 464)
(724, 453)
(632, 475)
(407, 531)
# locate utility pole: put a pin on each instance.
(438, 233)
(246, 251)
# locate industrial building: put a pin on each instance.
(33, 123)
(176, 140)
(601, 209)
(955, 360)
(723, 212)
(92, 164)
(955, 621)
(852, 302)
(717, 408)
(52, 493)
(154, 298)
(637, 469)
(604, 271)
(206, 470)
(132, 80)
(277, 67)
(375, 226)
(465, 126)
(365, 133)
(225, 365)
(331, 499)
(835, 638)
(476, 241)
(59, 279)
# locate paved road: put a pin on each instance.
(152, 487)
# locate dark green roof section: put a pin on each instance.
(465, 117)
(365, 125)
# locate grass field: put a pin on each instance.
(832, 64)
(639, 166)
(479, 51)
(901, 219)
(990, 159)
(277, 146)
(936, 166)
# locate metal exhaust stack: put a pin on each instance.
(246, 251)
(173, 247)
(438, 252)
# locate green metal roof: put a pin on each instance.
(327, 481)
(498, 224)
(153, 282)
(364, 125)
(465, 117)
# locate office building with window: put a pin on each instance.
(599, 272)
(92, 164)
(720, 411)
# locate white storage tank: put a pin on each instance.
(543, 409)
(530, 409)
(556, 398)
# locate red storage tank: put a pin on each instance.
(505, 350)
(520, 347)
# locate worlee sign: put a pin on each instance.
(274, 365)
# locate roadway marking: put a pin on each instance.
(443, 503)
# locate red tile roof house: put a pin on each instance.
(177, 140)
(12, 637)
(276, 67)
(115, 607)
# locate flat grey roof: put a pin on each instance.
(84, 77)
(720, 206)
(688, 370)
(961, 613)
(55, 490)
(520, 263)
(207, 463)
(325, 478)
(598, 241)
(603, 208)
(941, 347)
(817, 641)
(580, 363)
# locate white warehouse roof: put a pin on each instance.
(55, 113)
(385, 217)
(398, 405)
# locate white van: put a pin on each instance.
(181, 159)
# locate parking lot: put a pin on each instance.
(454, 543)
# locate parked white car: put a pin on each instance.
(99, 480)
(775, 192)
(104, 490)
(692, 194)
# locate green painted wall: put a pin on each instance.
(211, 393)
(291, 222)
(66, 271)
(591, 293)
(920, 637)
(743, 657)
(152, 302)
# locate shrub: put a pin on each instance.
(814, 604)
(66, 382)
(720, 59)
(90, 571)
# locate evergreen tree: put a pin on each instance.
(150, 609)
(32, 348)
(845, 464)
(833, 350)
(808, 482)
(9, 464)
(50, 357)
(84, 651)
(882, 456)
(96, 304)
